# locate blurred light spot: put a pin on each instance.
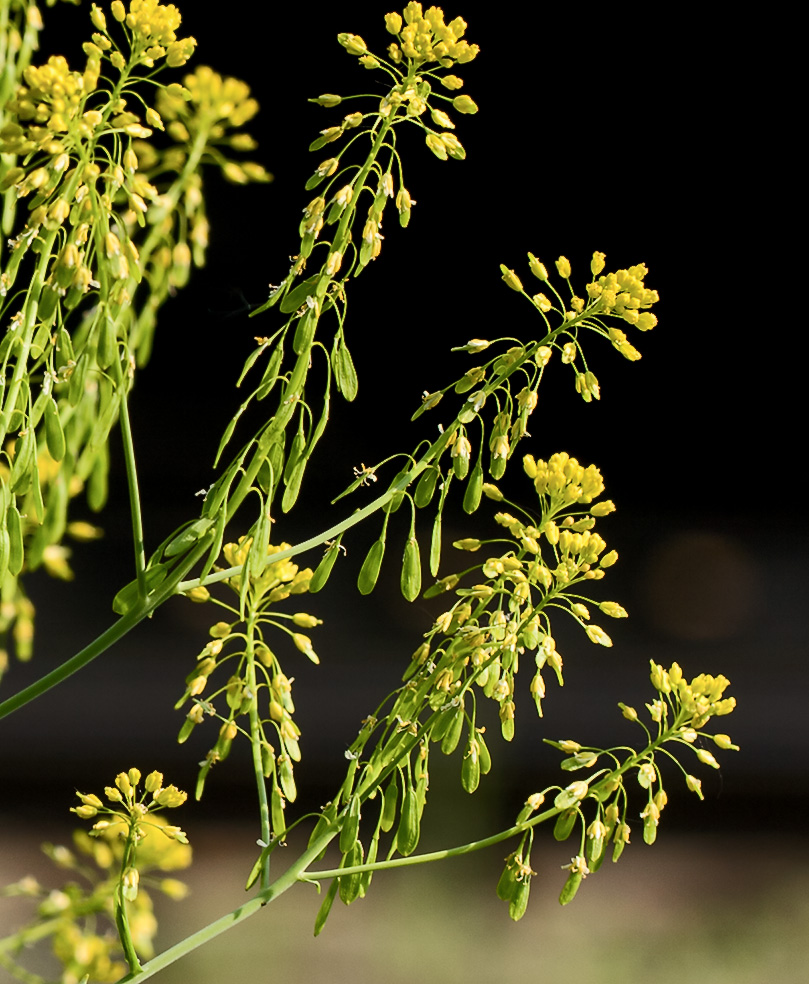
(702, 586)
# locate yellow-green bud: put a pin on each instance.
(537, 268)
(511, 278)
(597, 263)
(328, 99)
(609, 559)
(613, 609)
(723, 741)
(118, 11)
(393, 23)
(492, 492)
(706, 758)
(628, 712)
(154, 781)
(452, 82)
(306, 621)
(603, 508)
(464, 104)
(563, 266)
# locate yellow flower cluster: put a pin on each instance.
(424, 37)
(45, 106)
(215, 104)
(277, 581)
(701, 698)
(563, 480)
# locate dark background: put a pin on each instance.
(629, 135)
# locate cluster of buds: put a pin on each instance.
(153, 26)
(423, 37)
(129, 819)
(257, 688)
(485, 633)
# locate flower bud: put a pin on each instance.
(464, 104)
(563, 266)
(597, 263)
(393, 23)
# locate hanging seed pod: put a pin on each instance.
(519, 900)
(565, 823)
(407, 833)
(483, 754)
(474, 489)
(323, 569)
(453, 733)
(277, 812)
(5, 550)
(366, 876)
(390, 799)
(16, 549)
(325, 907)
(78, 379)
(344, 371)
(411, 569)
(570, 887)
(507, 884)
(19, 480)
(305, 331)
(426, 487)
(350, 885)
(369, 572)
(435, 545)
(107, 347)
(293, 486)
(54, 434)
(351, 825)
(497, 467)
(470, 769)
(270, 376)
(287, 778)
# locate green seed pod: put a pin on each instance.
(474, 489)
(54, 435)
(507, 884)
(426, 487)
(484, 755)
(48, 299)
(390, 799)
(78, 378)
(344, 371)
(565, 823)
(277, 812)
(460, 466)
(453, 733)
(443, 723)
(107, 347)
(297, 296)
(519, 900)
(293, 486)
(497, 467)
(16, 549)
(350, 885)
(435, 545)
(323, 569)
(407, 833)
(19, 480)
(470, 769)
(287, 778)
(369, 572)
(305, 331)
(5, 551)
(649, 830)
(570, 887)
(325, 907)
(185, 731)
(351, 825)
(411, 570)
(366, 876)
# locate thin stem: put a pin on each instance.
(289, 878)
(255, 743)
(134, 497)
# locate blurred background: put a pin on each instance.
(623, 134)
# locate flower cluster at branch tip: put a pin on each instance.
(130, 852)
(257, 687)
(482, 638)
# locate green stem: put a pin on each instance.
(282, 884)
(255, 743)
(121, 919)
(134, 496)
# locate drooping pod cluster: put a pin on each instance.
(115, 220)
